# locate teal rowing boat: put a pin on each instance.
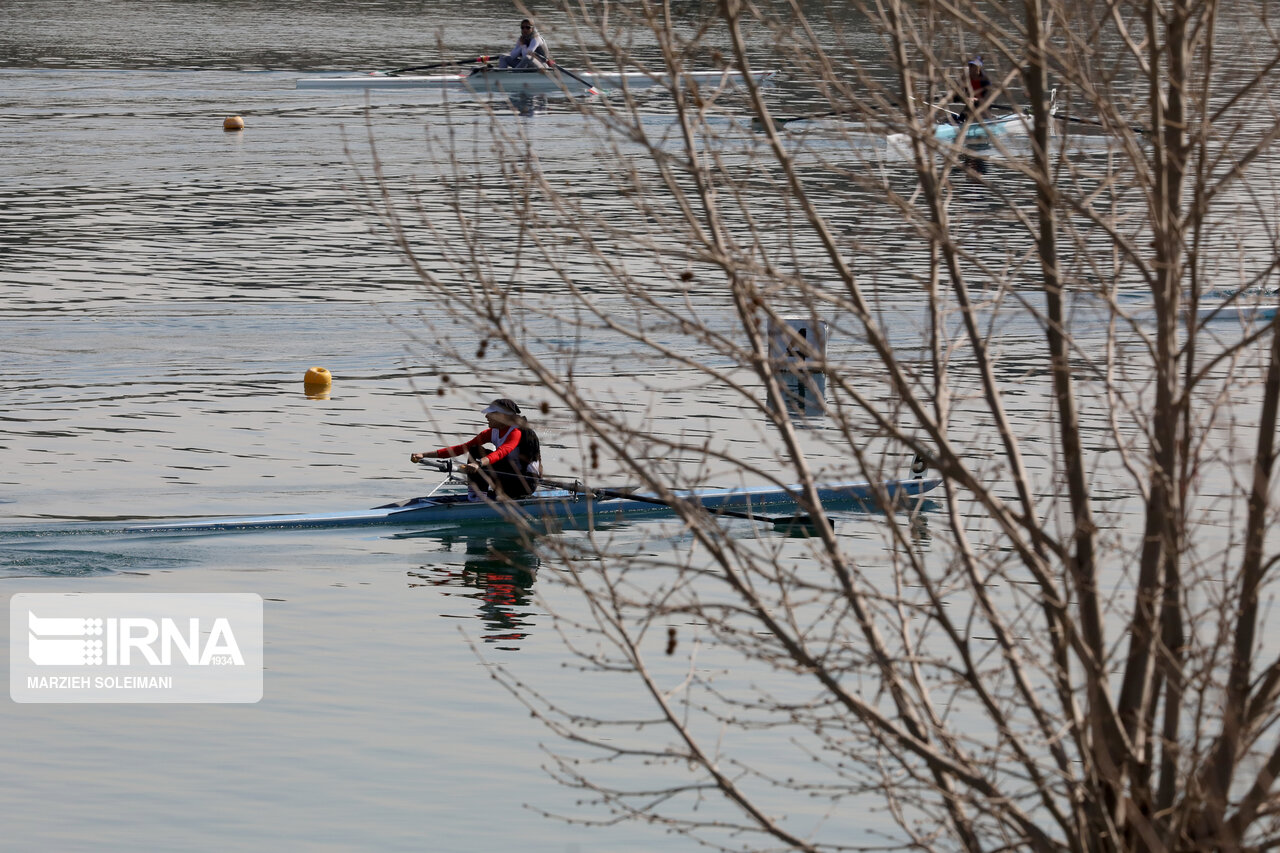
(989, 126)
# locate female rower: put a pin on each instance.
(512, 469)
(976, 88)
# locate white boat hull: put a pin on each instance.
(1243, 313)
(493, 81)
(766, 500)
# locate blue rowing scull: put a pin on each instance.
(563, 504)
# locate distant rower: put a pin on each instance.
(530, 50)
(977, 86)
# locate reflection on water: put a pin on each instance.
(975, 163)
(528, 106)
(496, 574)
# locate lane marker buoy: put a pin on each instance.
(317, 377)
(233, 123)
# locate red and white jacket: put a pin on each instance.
(505, 442)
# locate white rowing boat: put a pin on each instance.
(1247, 306)
(601, 505)
(506, 81)
(1246, 313)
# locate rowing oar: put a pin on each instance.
(1135, 128)
(590, 88)
(757, 124)
(439, 65)
(776, 520)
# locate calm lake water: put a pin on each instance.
(163, 287)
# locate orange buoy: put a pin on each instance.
(233, 123)
(317, 378)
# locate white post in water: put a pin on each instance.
(798, 349)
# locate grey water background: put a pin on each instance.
(163, 286)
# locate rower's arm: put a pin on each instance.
(455, 450)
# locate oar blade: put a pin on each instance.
(800, 526)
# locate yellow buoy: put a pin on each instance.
(317, 378)
(233, 123)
